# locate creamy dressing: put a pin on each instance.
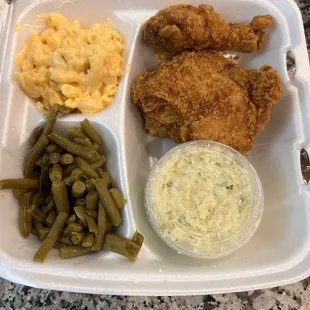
(201, 199)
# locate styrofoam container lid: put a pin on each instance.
(202, 214)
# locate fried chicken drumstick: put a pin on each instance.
(183, 27)
(203, 95)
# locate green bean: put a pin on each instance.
(74, 251)
(76, 134)
(80, 213)
(138, 239)
(59, 246)
(39, 162)
(83, 141)
(71, 219)
(54, 158)
(51, 238)
(34, 231)
(92, 200)
(91, 223)
(51, 218)
(34, 155)
(51, 120)
(89, 186)
(19, 193)
(72, 227)
(61, 197)
(49, 207)
(64, 240)
(68, 169)
(106, 176)
(37, 133)
(102, 223)
(97, 147)
(108, 202)
(85, 152)
(49, 199)
(117, 244)
(70, 179)
(37, 225)
(118, 198)
(78, 189)
(98, 164)
(55, 173)
(25, 221)
(91, 132)
(66, 159)
(80, 202)
(43, 232)
(87, 169)
(37, 214)
(53, 148)
(19, 184)
(65, 110)
(78, 172)
(92, 213)
(77, 237)
(88, 240)
(44, 187)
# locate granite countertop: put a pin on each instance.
(290, 297)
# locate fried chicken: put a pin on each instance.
(183, 27)
(203, 95)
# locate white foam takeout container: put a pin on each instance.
(279, 252)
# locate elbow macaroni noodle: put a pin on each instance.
(74, 67)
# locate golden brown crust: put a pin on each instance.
(203, 95)
(183, 27)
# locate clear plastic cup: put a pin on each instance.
(200, 240)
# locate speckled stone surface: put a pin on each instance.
(290, 297)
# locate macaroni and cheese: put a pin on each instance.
(71, 66)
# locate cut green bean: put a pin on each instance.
(37, 133)
(49, 207)
(117, 244)
(88, 240)
(72, 219)
(51, 218)
(55, 173)
(70, 179)
(51, 238)
(92, 200)
(92, 213)
(83, 141)
(64, 240)
(97, 148)
(53, 148)
(37, 214)
(74, 251)
(44, 187)
(87, 169)
(102, 223)
(25, 221)
(61, 197)
(59, 246)
(43, 232)
(108, 202)
(72, 227)
(98, 164)
(66, 159)
(19, 193)
(65, 110)
(91, 223)
(54, 158)
(37, 225)
(77, 237)
(78, 172)
(91, 132)
(84, 152)
(138, 239)
(19, 184)
(80, 213)
(118, 198)
(106, 176)
(68, 169)
(51, 120)
(89, 185)
(49, 199)
(78, 189)
(80, 202)
(76, 133)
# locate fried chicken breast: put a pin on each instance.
(203, 95)
(183, 27)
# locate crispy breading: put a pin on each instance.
(183, 27)
(203, 95)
